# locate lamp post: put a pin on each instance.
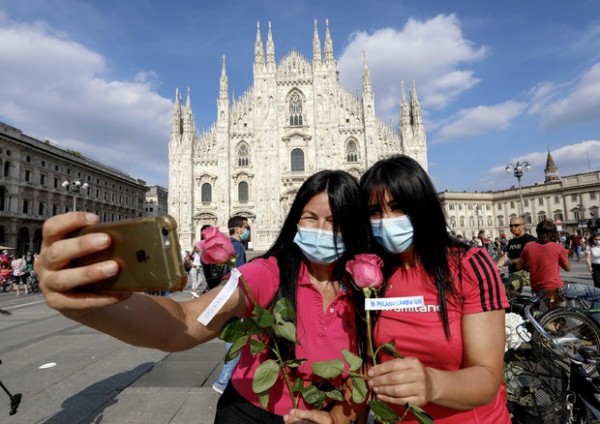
(477, 212)
(75, 186)
(518, 173)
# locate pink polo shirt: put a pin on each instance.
(322, 333)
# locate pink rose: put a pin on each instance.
(216, 247)
(366, 270)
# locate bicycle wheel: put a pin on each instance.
(571, 330)
(535, 390)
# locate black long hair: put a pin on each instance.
(412, 191)
(350, 219)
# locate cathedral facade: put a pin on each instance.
(295, 120)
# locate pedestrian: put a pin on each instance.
(576, 243)
(592, 257)
(326, 226)
(20, 273)
(543, 259)
(451, 338)
(238, 232)
(517, 279)
(199, 284)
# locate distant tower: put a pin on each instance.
(551, 170)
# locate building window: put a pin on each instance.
(526, 202)
(2, 198)
(42, 179)
(295, 110)
(528, 218)
(574, 197)
(592, 195)
(512, 204)
(541, 201)
(41, 209)
(297, 159)
(243, 156)
(451, 206)
(500, 220)
(27, 175)
(541, 216)
(243, 191)
(558, 216)
(54, 210)
(28, 159)
(351, 151)
(206, 193)
(461, 221)
(556, 199)
(6, 169)
(25, 206)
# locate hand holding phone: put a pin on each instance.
(147, 251)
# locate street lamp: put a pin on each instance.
(75, 186)
(477, 213)
(518, 173)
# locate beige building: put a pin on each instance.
(39, 180)
(571, 201)
(156, 201)
(295, 120)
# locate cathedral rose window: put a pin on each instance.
(295, 110)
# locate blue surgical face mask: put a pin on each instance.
(245, 235)
(597, 242)
(318, 245)
(395, 235)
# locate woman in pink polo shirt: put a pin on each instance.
(452, 336)
(326, 226)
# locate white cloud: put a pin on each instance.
(57, 89)
(430, 52)
(478, 120)
(581, 105)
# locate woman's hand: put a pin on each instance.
(58, 281)
(299, 416)
(401, 381)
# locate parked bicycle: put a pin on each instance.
(552, 376)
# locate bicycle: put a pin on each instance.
(548, 377)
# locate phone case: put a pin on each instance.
(147, 250)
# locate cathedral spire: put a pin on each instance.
(328, 44)
(367, 88)
(316, 45)
(223, 84)
(551, 170)
(259, 58)
(404, 109)
(415, 108)
(188, 117)
(176, 125)
(270, 49)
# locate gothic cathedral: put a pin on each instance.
(295, 120)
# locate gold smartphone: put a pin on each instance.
(147, 250)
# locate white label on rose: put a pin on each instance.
(393, 303)
(223, 296)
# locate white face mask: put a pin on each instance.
(319, 246)
(395, 235)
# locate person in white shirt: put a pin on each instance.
(592, 257)
(199, 284)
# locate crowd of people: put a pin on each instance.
(450, 339)
(17, 268)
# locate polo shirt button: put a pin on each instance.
(331, 310)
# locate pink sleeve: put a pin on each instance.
(481, 285)
(262, 277)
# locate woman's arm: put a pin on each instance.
(406, 380)
(137, 319)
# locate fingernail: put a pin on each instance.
(109, 268)
(91, 218)
(100, 240)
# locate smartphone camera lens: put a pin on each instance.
(165, 232)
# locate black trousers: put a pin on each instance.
(596, 274)
(233, 408)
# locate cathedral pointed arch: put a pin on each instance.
(242, 154)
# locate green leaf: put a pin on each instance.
(250, 326)
(298, 385)
(235, 348)
(294, 363)
(359, 389)
(328, 369)
(313, 396)
(390, 349)
(383, 412)
(335, 394)
(265, 376)
(256, 346)
(284, 309)
(354, 362)
(263, 398)
(422, 416)
(262, 317)
(287, 330)
(233, 330)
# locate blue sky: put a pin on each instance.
(498, 82)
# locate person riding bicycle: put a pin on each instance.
(544, 258)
